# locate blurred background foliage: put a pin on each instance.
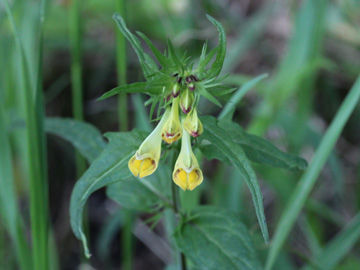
(310, 49)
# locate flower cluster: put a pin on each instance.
(172, 128)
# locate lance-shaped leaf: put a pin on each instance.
(163, 60)
(206, 94)
(111, 166)
(84, 137)
(220, 56)
(214, 238)
(138, 87)
(148, 65)
(256, 149)
(220, 138)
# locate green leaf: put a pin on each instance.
(84, 137)
(9, 210)
(221, 51)
(110, 167)
(256, 149)
(142, 194)
(308, 180)
(206, 94)
(214, 238)
(163, 60)
(221, 138)
(204, 61)
(339, 246)
(138, 87)
(148, 65)
(239, 94)
(172, 54)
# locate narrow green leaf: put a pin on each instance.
(214, 238)
(256, 149)
(35, 159)
(147, 64)
(221, 51)
(84, 137)
(163, 60)
(340, 246)
(9, 210)
(110, 167)
(238, 95)
(204, 61)
(203, 52)
(138, 87)
(206, 94)
(236, 155)
(173, 55)
(308, 180)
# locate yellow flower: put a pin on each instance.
(192, 124)
(146, 159)
(187, 100)
(172, 130)
(187, 173)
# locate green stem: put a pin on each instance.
(76, 73)
(127, 240)
(121, 68)
(177, 207)
(126, 237)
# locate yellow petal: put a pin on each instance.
(134, 165)
(180, 178)
(195, 178)
(147, 167)
(142, 167)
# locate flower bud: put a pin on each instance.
(192, 124)
(186, 101)
(191, 86)
(172, 130)
(176, 90)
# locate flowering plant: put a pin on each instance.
(175, 89)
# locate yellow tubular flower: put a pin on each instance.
(192, 124)
(172, 130)
(187, 173)
(146, 159)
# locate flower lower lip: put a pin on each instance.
(195, 134)
(172, 135)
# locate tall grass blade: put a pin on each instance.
(340, 246)
(308, 180)
(238, 95)
(9, 211)
(35, 144)
(76, 72)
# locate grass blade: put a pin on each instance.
(340, 246)
(309, 178)
(10, 213)
(35, 144)
(238, 95)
